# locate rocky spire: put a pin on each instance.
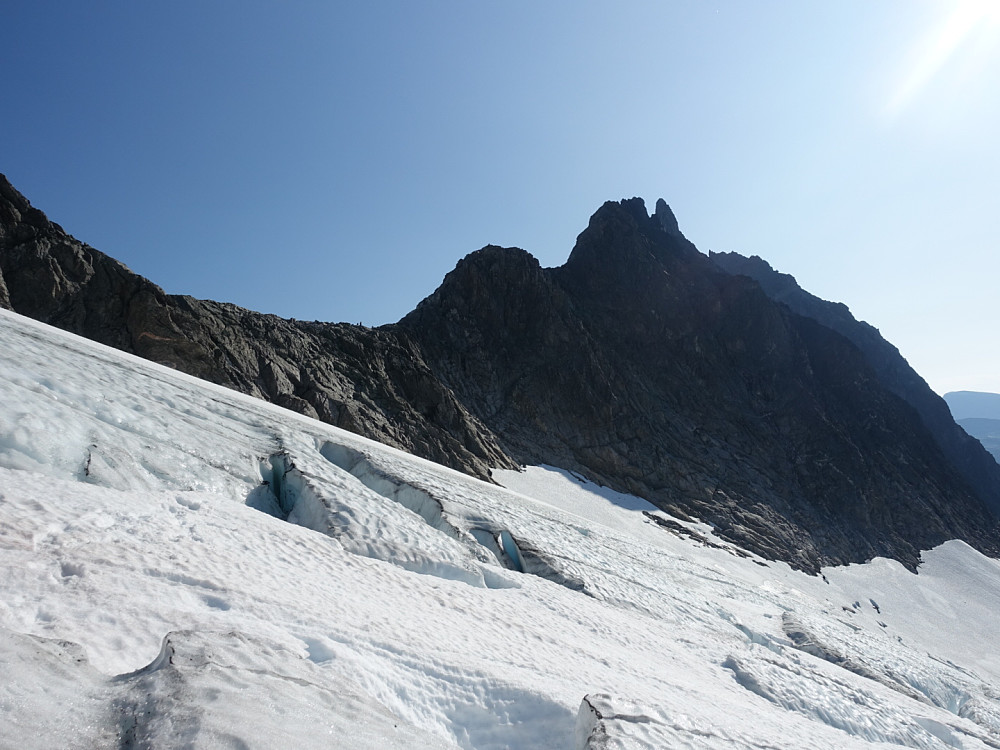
(666, 218)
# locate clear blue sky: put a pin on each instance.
(333, 160)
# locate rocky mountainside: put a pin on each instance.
(975, 464)
(640, 363)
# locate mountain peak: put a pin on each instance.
(663, 217)
(623, 243)
(626, 213)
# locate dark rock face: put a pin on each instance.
(640, 363)
(643, 365)
(972, 461)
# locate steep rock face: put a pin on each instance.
(639, 363)
(972, 460)
(643, 365)
(370, 381)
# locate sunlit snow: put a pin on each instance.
(183, 566)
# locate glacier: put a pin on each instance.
(185, 566)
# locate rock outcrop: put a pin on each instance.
(640, 363)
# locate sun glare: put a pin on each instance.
(966, 20)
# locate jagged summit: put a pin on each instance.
(623, 247)
(663, 217)
(621, 250)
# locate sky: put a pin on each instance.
(333, 161)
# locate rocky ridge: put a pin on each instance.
(640, 363)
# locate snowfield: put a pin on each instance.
(184, 566)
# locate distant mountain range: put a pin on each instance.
(966, 404)
(712, 386)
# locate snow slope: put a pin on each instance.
(184, 566)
